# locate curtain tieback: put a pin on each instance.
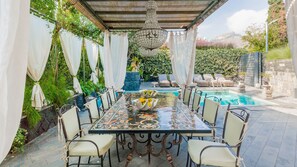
(36, 83)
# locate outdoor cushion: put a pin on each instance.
(221, 156)
(104, 142)
(210, 110)
(92, 106)
(70, 122)
(211, 134)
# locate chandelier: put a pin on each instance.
(151, 36)
(148, 53)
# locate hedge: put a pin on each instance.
(218, 60)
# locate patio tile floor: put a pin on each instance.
(271, 140)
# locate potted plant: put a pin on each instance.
(241, 85)
(267, 91)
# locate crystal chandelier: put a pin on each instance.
(151, 36)
(148, 53)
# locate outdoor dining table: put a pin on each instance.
(170, 116)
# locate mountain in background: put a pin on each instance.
(228, 39)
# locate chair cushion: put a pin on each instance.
(104, 142)
(221, 156)
(198, 134)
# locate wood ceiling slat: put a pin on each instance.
(160, 8)
(130, 14)
(143, 3)
(144, 12)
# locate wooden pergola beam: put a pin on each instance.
(130, 14)
(144, 12)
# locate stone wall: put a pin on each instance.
(283, 78)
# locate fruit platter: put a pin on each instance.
(148, 93)
(145, 104)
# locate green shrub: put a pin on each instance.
(219, 60)
(158, 64)
(19, 141)
(224, 61)
(89, 87)
(279, 53)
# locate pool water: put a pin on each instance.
(235, 99)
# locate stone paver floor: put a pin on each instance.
(271, 140)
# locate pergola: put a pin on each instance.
(130, 14)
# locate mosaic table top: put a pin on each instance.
(169, 116)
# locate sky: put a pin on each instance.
(234, 16)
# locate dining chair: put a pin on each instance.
(187, 92)
(105, 101)
(95, 114)
(112, 96)
(224, 152)
(77, 143)
(196, 100)
(209, 116)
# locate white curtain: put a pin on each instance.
(182, 47)
(114, 59)
(71, 45)
(291, 6)
(92, 52)
(39, 47)
(14, 28)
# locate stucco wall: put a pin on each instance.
(283, 78)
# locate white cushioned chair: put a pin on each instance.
(196, 100)
(105, 101)
(94, 112)
(187, 92)
(209, 116)
(226, 152)
(77, 143)
(112, 96)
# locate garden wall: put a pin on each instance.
(283, 78)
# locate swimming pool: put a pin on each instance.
(234, 98)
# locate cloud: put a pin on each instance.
(242, 19)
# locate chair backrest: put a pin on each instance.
(171, 77)
(210, 110)
(234, 127)
(196, 100)
(162, 77)
(94, 112)
(105, 101)
(70, 121)
(187, 92)
(112, 95)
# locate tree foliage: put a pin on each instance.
(277, 30)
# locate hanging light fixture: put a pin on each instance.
(151, 36)
(148, 53)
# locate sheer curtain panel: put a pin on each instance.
(114, 59)
(93, 54)
(14, 28)
(182, 47)
(291, 7)
(40, 41)
(71, 45)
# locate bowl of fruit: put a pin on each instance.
(144, 104)
(148, 93)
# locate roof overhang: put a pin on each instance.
(130, 14)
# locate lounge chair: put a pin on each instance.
(173, 81)
(223, 81)
(163, 81)
(200, 81)
(213, 82)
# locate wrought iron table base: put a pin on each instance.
(149, 147)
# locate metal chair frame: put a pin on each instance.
(62, 111)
